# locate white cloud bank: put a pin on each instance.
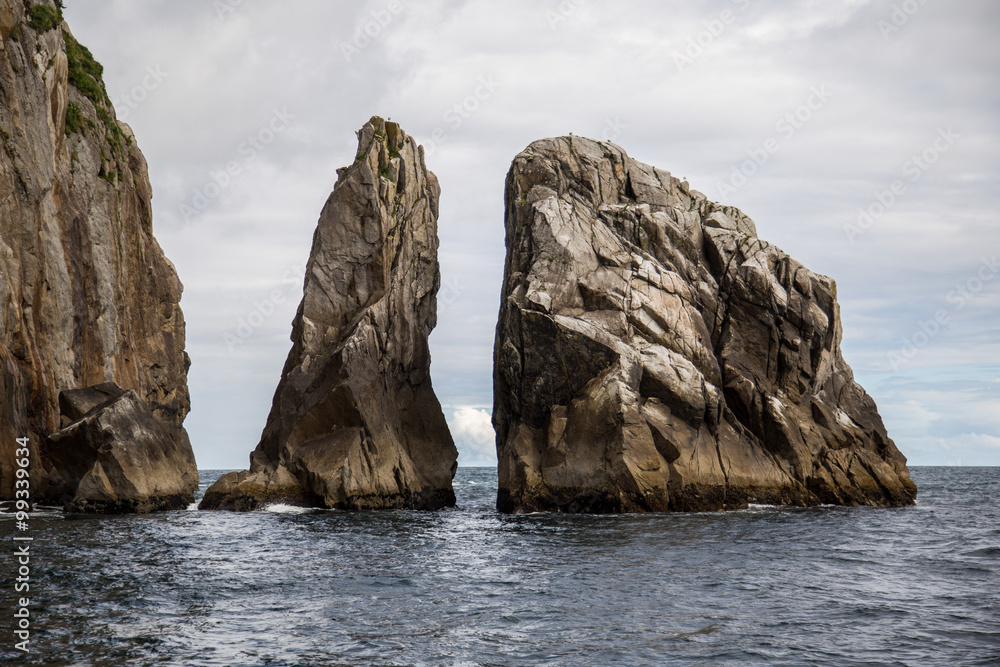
(472, 429)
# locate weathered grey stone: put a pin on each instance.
(653, 354)
(75, 403)
(86, 294)
(355, 423)
(118, 457)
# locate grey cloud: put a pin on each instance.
(604, 61)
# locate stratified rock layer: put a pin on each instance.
(86, 294)
(653, 354)
(355, 423)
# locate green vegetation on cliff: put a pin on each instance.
(87, 76)
(74, 118)
(85, 73)
(45, 18)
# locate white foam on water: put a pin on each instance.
(278, 508)
(36, 511)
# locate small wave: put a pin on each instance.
(279, 508)
(985, 552)
(691, 634)
(193, 507)
(36, 512)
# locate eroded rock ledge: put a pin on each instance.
(355, 423)
(653, 354)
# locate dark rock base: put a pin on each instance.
(232, 492)
(693, 498)
(145, 506)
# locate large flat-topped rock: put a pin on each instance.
(653, 354)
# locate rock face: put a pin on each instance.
(117, 457)
(86, 295)
(653, 354)
(355, 423)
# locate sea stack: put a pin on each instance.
(92, 363)
(653, 354)
(355, 423)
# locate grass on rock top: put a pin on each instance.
(86, 75)
(45, 18)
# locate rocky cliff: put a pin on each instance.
(86, 295)
(653, 354)
(355, 423)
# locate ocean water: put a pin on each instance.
(823, 586)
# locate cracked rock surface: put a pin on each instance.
(355, 423)
(653, 354)
(115, 457)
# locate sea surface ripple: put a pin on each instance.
(290, 587)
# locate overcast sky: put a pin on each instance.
(802, 113)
